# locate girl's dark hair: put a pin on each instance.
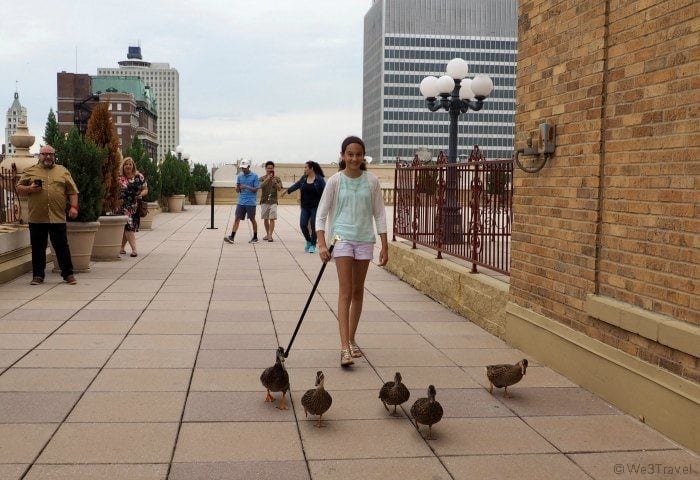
(352, 139)
(269, 162)
(349, 140)
(315, 167)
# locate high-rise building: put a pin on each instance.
(164, 83)
(407, 40)
(14, 113)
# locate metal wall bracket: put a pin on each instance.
(546, 145)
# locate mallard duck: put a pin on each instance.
(503, 376)
(317, 401)
(394, 393)
(427, 411)
(276, 379)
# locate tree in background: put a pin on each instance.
(101, 130)
(52, 135)
(147, 166)
(84, 160)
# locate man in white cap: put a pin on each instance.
(247, 185)
(47, 185)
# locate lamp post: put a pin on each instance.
(181, 154)
(458, 95)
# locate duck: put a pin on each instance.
(276, 379)
(504, 375)
(317, 401)
(394, 393)
(427, 411)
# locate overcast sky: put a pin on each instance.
(269, 80)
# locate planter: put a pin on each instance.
(176, 203)
(81, 237)
(201, 197)
(108, 240)
(147, 221)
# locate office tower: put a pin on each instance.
(407, 40)
(164, 83)
(14, 113)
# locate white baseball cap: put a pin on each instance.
(244, 163)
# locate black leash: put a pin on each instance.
(308, 302)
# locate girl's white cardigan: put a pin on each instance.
(329, 200)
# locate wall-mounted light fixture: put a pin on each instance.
(546, 145)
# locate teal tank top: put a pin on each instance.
(354, 219)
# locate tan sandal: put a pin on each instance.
(346, 358)
(355, 351)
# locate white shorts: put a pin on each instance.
(268, 211)
(356, 250)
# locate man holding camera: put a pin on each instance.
(269, 186)
(47, 186)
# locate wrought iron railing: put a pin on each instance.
(462, 209)
(9, 202)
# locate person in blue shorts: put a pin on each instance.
(247, 185)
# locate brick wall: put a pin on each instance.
(616, 210)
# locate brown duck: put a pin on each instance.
(427, 411)
(394, 393)
(317, 401)
(276, 379)
(503, 376)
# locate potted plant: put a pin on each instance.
(101, 130)
(148, 167)
(201, 182)
(174, 176)
(84, 160)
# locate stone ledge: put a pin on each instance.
(663, 400)
(676, 334)
(478, 297)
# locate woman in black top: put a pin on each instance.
(311, 184)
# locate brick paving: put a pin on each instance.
(149, 369)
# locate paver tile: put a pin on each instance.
(46, 379)
(598, 433)
(22, 314)
(399, 357)
(111, 443)
(100, 407)
(20, 340)
(250, 441)
(107, 315)
(239, 342)
(676, 464)
(483, 436)
(160, 342)
(21, 443)
(557, 401)
(485, 356)
(36, 407)
(168, 327)
(12, 471)
(389, 438)
(94, 472)
(237, 328)
(522, 467)
(28, 326)
(96, 327)
(8, 357)
(260, 359)
(234, 407)
(152, 359)
(226, 380)
(287, 470)
(75, 341)
(141, 380)
(381, 468)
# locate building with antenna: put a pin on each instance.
(164, 83)
(14, 113)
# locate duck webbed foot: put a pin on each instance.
(269, 397)
(283, 404)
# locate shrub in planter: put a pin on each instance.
(84, 160)
(175, 176)
(200, 178)
(101, 130)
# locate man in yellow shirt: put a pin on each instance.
(47, 185)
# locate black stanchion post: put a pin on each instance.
(212, 227)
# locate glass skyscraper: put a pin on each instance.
(407, 40)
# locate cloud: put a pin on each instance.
(239, 61)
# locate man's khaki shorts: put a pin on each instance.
(268, 211)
